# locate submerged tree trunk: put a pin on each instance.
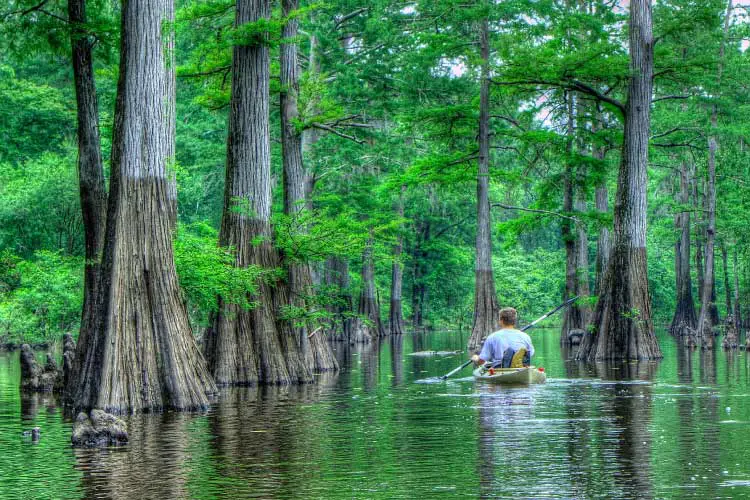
(737, 309)
(485, 299)
(571, 318)
(91, 186)
(369, 308)
(419, 285)
(622, 322)
(142, 355)
(708, 316)
(396, 317)
(314, 349)
(684, 320)
(574, 235)
(603, 244)
(336, 278)
(241, 346)
(727, 288)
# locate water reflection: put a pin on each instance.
(631, 405)
(32, 403)
(674, 429)
(397, 359)
(153, 465)
(708, 367)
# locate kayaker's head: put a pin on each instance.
(508, 317)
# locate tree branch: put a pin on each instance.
(336, 132)
(668, 97)
(571, 85)
(536, 211)
(350, 15)
(206, 73)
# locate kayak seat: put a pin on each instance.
(519, 359)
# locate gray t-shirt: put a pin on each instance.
(507, 338)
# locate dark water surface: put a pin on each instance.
(675, 429)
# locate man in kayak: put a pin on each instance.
(500, 349)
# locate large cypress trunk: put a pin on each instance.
(396, 317)
(245, 347)
(622, 322)
(142, 355)
(91, 186)
(684, 319)
(485, 300)
(315, 350)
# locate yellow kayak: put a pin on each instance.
(512, 376)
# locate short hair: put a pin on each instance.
(508, 316)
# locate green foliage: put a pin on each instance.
(206, 271)
(36, 118)
(402, 81)
(39, 206)
(46, 300)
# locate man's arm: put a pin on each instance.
(485, 354)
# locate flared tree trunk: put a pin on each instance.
(396, 316)
(142, 355)
(241, 346)
(485, 299)
(91, 185)
(684, 320)
(314, 349)
(623, 328)
(368, 302)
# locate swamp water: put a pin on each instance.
(679, 428)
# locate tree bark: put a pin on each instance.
(574, 235)
(727, 288)
(368, 303)
(91, 185)
(419, 286)
(336, 278)
(684, 320)
(622, 321)
(251, 346)
(486, 307)
(603, 246)
(737, 309)
(314, 349)
(396, 317)
(142, 355)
